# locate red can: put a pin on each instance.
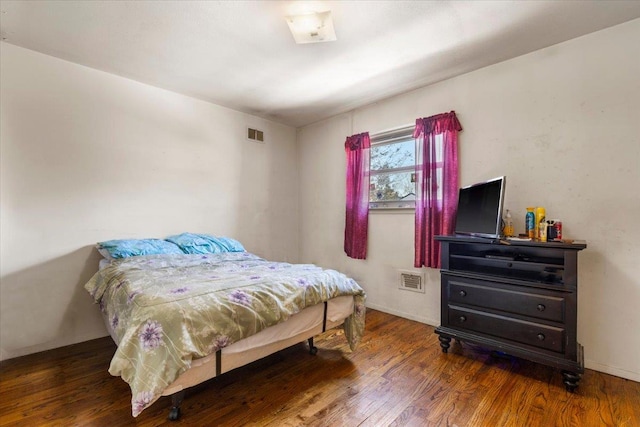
(558, 226)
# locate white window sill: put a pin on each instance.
(388, 210)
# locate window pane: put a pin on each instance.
(392, 187)
(396, 155)
(439, 178)
(439, 154)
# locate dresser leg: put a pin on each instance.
(570, 380)
(445, 342)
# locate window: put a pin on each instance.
(393, 169)
(393, 164)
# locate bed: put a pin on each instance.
(180, 319)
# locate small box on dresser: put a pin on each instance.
(519, 298)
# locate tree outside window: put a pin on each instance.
(393, 162)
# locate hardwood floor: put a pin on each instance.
(397, 377)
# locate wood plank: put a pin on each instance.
(397, 377)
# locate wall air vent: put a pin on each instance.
(255, 135)
(411, 281)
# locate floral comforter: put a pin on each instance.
(166, 310)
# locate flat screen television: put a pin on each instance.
(480, 209)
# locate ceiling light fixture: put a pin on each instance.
(312, 27)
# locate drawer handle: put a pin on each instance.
(463, 293)
(541, 337)
(463, 319)
(541, 307)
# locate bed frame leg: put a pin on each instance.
(176, 401)
(313, 350)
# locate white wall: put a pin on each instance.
(88, 156)
(563, 124)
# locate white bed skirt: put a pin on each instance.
(299, 327)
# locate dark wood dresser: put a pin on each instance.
(518, 298)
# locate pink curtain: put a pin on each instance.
(435, 216)
(357, 218)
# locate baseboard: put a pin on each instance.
(612, 370)
(39, 348)
(409, 316)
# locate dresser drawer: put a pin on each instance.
(510, 299)
(534, 334)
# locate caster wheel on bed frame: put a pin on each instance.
(174, 414)
(313, 350)
(176, 401)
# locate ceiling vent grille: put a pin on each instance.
(411, 281)
(255, 135)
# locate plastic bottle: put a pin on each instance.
(542, 234)
(530, 223)
(540, 217)
(508, 225)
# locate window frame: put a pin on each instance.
(389, 137)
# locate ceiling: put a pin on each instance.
(240, 54)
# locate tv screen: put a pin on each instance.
(480, 208)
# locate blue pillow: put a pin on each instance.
(230, 245)
(114, 249)
(192, 243)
